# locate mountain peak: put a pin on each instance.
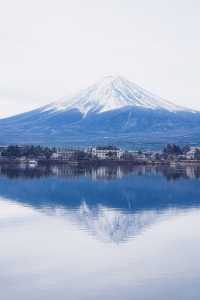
(111, 93)
(112, 79)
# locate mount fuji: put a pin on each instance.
(114, 110)
(109, 94)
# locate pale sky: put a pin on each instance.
(50, 48)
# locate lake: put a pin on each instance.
(100, 233)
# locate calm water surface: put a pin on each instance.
(104, 233)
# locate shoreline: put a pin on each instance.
(97, 163)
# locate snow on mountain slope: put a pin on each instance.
(109, 94)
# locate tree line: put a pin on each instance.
(14, 151)
(173, 150)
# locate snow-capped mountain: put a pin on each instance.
(114, 110)
(112, 93)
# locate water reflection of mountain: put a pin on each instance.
(130, 189)
(112, 204)
(111, 225)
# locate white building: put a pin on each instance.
(63, 154)
(191, 153)
(108, 152)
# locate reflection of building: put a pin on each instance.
(190, 172)
(108, 152)
(107, 173)
(66, 171)
(112, 172)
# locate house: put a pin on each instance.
(191, 154)
(3, 148)
(106, 152)
(138, 155)
(63, 154)
(55, 155)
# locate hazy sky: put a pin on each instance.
(50, 48)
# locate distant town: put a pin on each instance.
(33, 155)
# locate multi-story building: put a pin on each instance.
(63, 154)
(106, 152)
(192, 152)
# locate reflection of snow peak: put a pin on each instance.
(113, 225)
